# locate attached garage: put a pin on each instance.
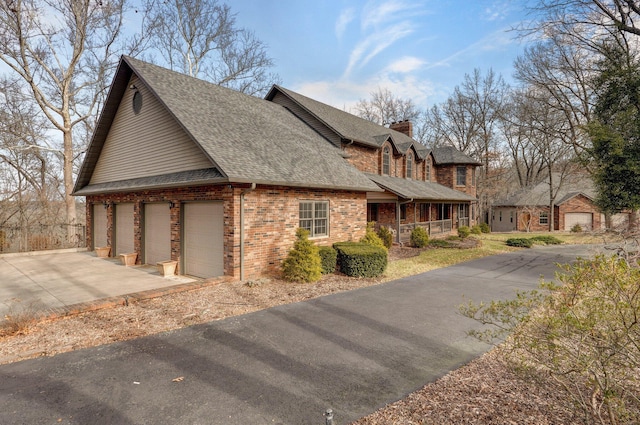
(585, 220)
(203, 239)
(124, 229)
(99, 225)
(157, 233)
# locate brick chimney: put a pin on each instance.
(405, 127)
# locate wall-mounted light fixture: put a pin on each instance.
(106, 205)
(133, 87)
(171, 204)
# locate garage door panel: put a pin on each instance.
(157, 233)
(99, 225)
(124, 228)
(203, 239)
(585, 220)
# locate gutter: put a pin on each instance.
(244, 192)
(398, 217)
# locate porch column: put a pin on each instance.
(398, 221)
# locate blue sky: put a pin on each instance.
(340, 51)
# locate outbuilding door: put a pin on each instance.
(157, 233)
(99, 225)
(203, 234)
(124, 228)
(585, 220)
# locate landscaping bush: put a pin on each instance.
(476, 229)
(419, 237)
(464, 231)
(520, 242)
(582, 332)
(576, 228)
(361, 259)
(371, 237)
(440, 243)
(484, 228)
(303, 261)
(546, 239)
(386, 235)
(328, 259)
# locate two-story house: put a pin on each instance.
(182, 169)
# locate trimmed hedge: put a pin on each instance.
(484, 228)
(303, 261)
(546, 239)
(328, 259)
(520, 242)
(387, 237)
(464, 231)
(358, 259)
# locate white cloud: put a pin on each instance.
(405, 65)
(345, 18)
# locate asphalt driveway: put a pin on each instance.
(353, 352)
(58, 280)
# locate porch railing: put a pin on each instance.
(436, 227)
(41, 237)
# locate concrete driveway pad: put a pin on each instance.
(353, 352)
(61, 279)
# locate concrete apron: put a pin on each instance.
(64, 281)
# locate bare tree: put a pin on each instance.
(63, 50)
(384, 108)
(586, 23)
(200, 38)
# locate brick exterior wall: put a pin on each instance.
(364, 159)
(271, 217)
(579, 204)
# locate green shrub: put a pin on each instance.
(476, 229)
(386, 235)
(484, 228)
(576, 228)
(464, 231)
(520, 242)
(361, 259)
(546, 239)
(303, 261)
(419, 237)
(328, 259)
(371, 237)
(440, 243)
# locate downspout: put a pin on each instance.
(244, 192)
(398, 217)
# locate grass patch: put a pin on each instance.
(442, 257)
(492, 244)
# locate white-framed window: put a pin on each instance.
(386, 161)
(409, 165)
(314, 216)
(428, 169)
(543, 218)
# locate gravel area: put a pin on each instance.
(482, 392)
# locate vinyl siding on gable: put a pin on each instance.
(147, 144)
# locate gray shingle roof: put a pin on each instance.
(450, 155)
(419, 190)
(349, 126)
(247, 139)
(185, 178)
(538, 195)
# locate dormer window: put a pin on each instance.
(409, 165)
(386, 160)
(428, 169)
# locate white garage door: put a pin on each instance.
(585, 220)
(99, 225)
(157, 233)
(124, 228)
(203, 239)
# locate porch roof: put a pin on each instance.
(419, 190)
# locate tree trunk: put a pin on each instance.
(633, 221)
(69, 200)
